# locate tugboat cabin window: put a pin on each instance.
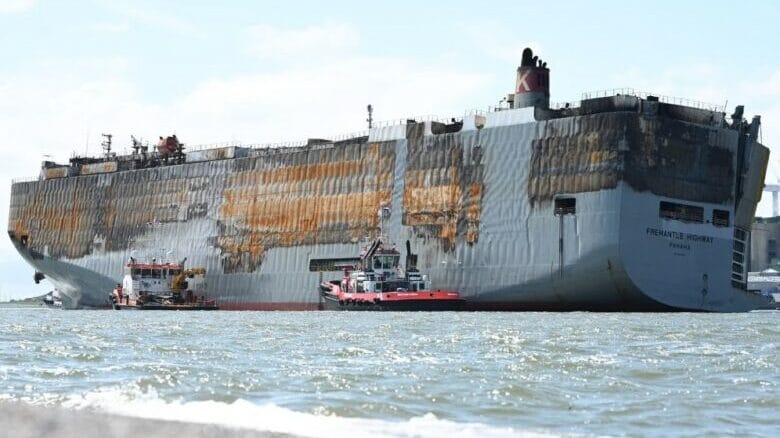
(155, 273)
(394, 286)
(174, 272)
(146, 273)
(136, 272)
(681, 212)
(720, 218)
(385, 262)
(565, 206)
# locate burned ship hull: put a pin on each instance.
(622, 203)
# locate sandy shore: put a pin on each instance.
(24, 421)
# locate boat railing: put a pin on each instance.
(565, 105)
(428, 118)
(503, 106)
(475, 112)
(25, 179)
(279, 145)
(661, 98)
(207, 146)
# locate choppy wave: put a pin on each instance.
(462, 374)
(269, 417)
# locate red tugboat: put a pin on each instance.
(377, 283)
(161, 286)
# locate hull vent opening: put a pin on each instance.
(720, 218)
(681, 212)
(565, 206)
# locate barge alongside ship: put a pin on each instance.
(621, 202)
(161, 286)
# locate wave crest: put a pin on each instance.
(273, 418)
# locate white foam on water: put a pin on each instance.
(273, 418)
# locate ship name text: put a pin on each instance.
(676, 235)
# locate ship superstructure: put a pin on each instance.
(622, 201)
(161, 285)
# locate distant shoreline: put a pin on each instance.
(25, 421)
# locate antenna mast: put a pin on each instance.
(106, 144)
(370, 118)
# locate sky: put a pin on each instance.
(261, 72)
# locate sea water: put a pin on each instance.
(333, 374)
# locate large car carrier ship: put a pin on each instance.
(622, 202)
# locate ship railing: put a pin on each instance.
(348, 136)
(565, 105)
(504, 106)
(278, 145)
(661, 98)
(428, 118)
(475, 112)
(301, 143)
(24, 179)
(207, 146)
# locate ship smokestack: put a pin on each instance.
(533, 82)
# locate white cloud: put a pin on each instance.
(144, 14)
(319, 40)
(303, 102)
(10, 6)
(500, 42)
(700, 81)
(111, 27)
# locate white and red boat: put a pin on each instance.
(378, 283)
(161, 286)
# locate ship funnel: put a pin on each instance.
(533, 82)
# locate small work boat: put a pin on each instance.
(161, 286)
(378, 283)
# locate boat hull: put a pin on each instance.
(173, 307)
(330, 302)
(476, 210)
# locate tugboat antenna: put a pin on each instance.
(370, 118)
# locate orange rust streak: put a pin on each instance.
(295, 216)
(303, 172)
(436, 200)
(441, 205)
(292, 205)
